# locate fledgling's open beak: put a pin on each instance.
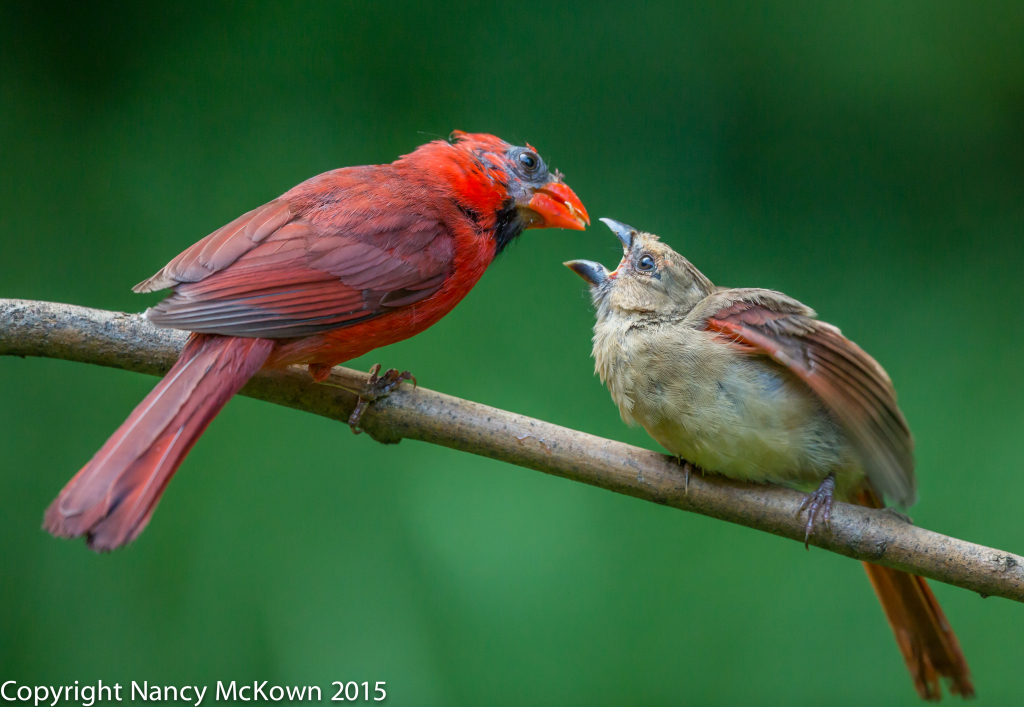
(558, 207)
(593, 273)
(623, 232)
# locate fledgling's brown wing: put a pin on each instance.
(286, 270)
(850, 383)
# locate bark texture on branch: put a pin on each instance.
(129, 342)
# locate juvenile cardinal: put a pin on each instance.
(345, 262)
(748, 384)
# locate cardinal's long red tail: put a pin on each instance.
(929, 646)
(112, 498)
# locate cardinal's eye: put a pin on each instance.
(645, 263)
(529, 161)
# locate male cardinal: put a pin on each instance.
(345, 262)
(747, 383)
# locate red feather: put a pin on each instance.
(343, 263)
(112, 498)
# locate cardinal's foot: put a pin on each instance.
(376, 388)
(818, 506)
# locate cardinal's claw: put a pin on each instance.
(818, 505)
(376, 388)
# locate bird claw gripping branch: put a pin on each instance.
(376, 388)
(687, 470)
(342, 264)
(747, 383)
(818, 506)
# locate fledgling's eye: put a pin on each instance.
(529, 161)
(645, 263)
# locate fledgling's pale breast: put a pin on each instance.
(748, 383)
(745, 382)
(744, 417)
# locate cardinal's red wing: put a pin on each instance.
(221, 248)
(272, 274)
(850, 383)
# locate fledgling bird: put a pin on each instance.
(749, 384)
(344, 263)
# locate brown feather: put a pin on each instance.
(929, 646)
(701, 368)
(850, 383)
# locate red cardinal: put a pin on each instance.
(345, 262)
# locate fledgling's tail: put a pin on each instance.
(112, 498)
(929, 646)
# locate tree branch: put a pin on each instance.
(131, 343)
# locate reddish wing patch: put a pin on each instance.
(270, 274)
(850, 383)
(221, 248)
(729, 322)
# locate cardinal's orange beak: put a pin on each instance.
(558, 207)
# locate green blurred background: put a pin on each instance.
(867, 158)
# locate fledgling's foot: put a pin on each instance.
(687, 469)
(818, 505)
(376, 388)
